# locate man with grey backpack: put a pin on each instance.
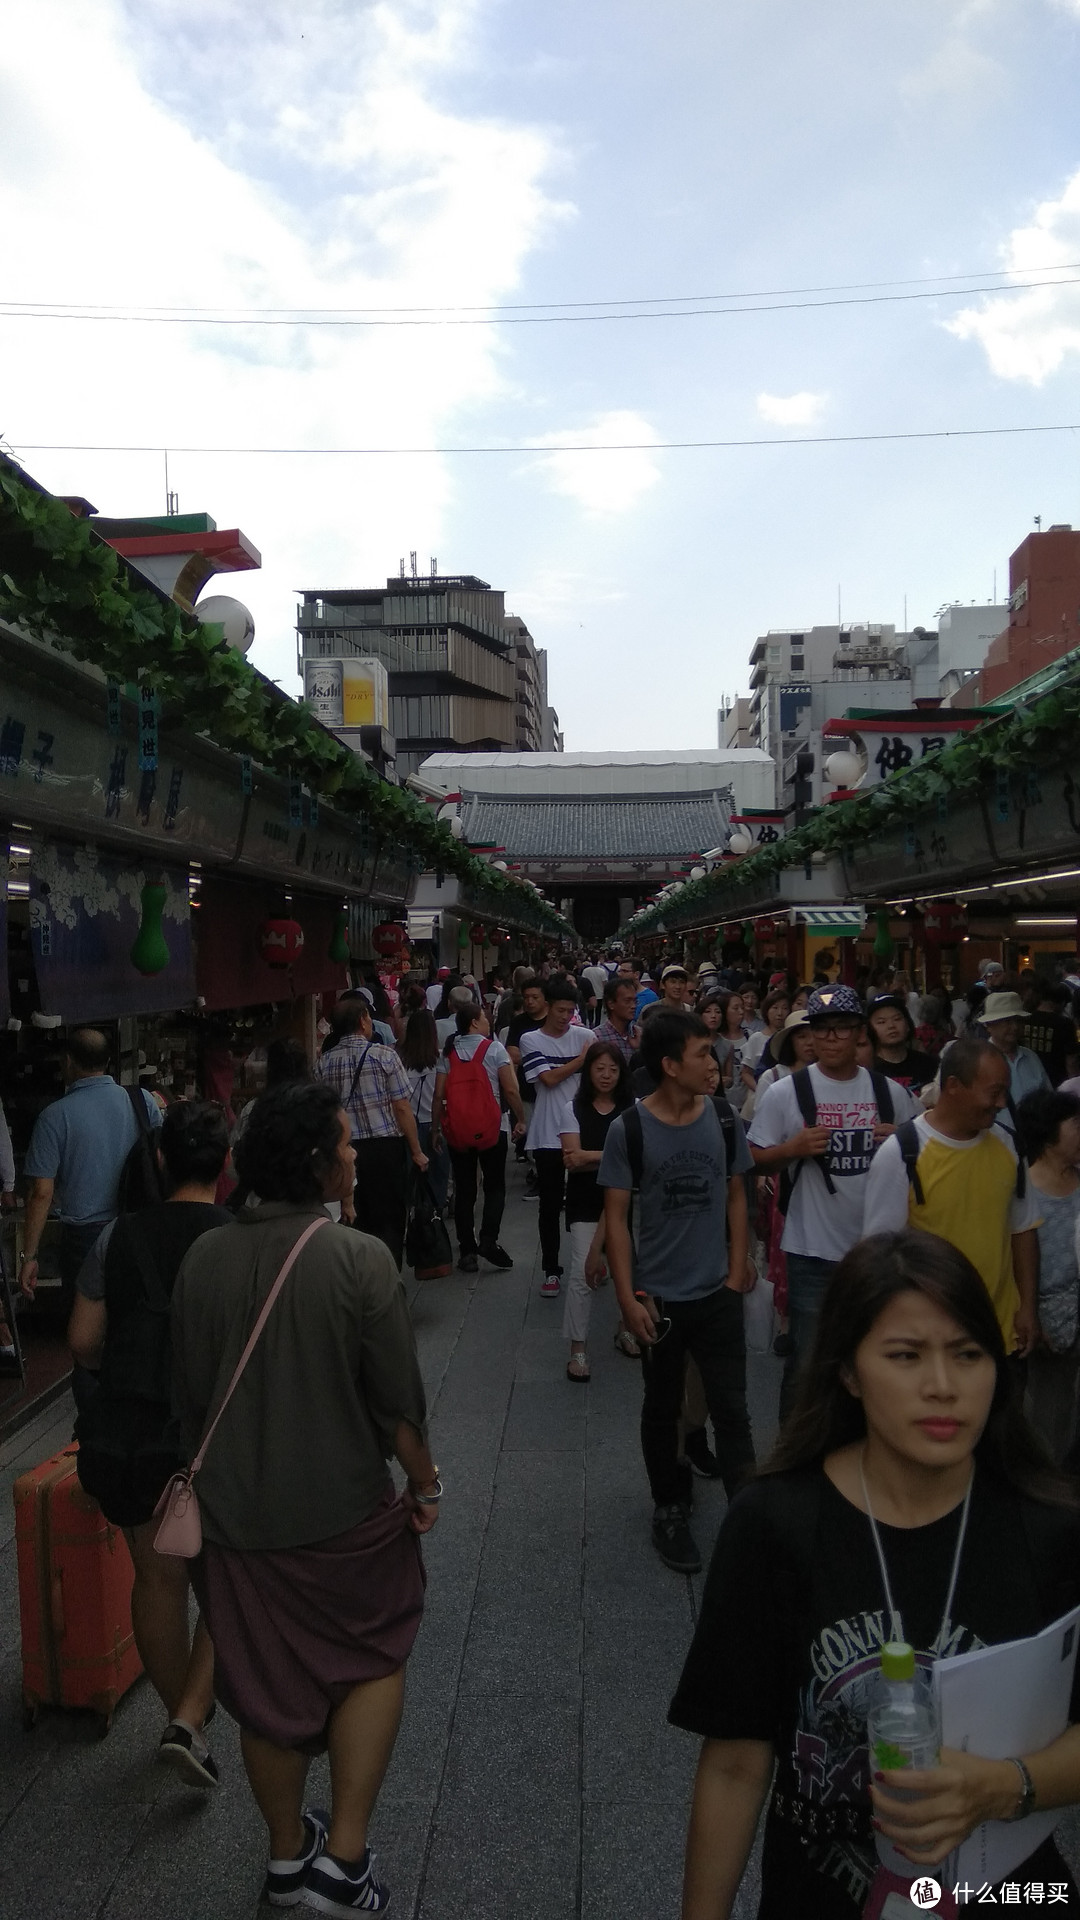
(683, 1294)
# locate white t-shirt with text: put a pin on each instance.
(821, 1224)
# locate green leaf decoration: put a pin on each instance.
(63, 584)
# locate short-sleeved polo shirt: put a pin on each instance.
(82, 1142)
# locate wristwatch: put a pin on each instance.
(1026, 1803)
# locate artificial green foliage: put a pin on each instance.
(62, 583)
(1039, 734)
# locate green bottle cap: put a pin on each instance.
(897, 1660)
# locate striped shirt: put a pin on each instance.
(381, 1080)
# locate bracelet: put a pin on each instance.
(428, 1499)
(1026, 1802)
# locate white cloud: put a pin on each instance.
(603, 483)
(204, 155)
(1028, 336)
(957, 70)
(791, 409)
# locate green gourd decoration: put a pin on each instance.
(338, 950)
(463, 935)
(883, 940)
(150, 953)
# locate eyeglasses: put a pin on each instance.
(840, 1029)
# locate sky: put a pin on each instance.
(479, 169)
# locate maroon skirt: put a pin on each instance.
(295, 1630)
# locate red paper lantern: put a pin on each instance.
(281, 942)
(944, 923)
(764, 928)
(388, 938)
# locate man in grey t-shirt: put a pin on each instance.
(689, 1277)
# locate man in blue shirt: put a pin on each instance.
(683, 1295)
(75, 1158)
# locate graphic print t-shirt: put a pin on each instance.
(789, 1639)
(682, 1233)
(821, 1223)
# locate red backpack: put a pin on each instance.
(472, 1117)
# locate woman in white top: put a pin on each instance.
(487, 1162)
(774, 1011)
(419, 1053)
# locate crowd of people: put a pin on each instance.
(899, 1174)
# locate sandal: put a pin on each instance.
(577, 1367)
(626, 1343)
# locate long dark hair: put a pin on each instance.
(725, 999)
(827, 1416)
(419, 1049)
(621, 1093)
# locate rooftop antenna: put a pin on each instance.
(412, 562)
(1038, 522)
(434, 566)
(994, 601)
(401, 565)
(172, 500)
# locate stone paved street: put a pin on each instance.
(535, 1773)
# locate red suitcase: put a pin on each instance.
(75, 1579)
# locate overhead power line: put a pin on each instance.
(607, 446)
(84, 308)
(464, 317)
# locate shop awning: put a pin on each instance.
(230, 969)
(86, 908)
(842, 923)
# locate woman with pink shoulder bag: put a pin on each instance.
(310, 1577)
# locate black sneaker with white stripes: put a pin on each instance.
(285, 1879)
(345, 1887)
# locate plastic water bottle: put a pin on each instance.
(902, 1730)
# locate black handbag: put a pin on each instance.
(427, 1242)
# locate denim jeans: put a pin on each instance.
(807, 1278)
(710, 1329)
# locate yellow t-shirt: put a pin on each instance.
(969, 1198)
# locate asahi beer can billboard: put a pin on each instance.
(348, 693)
(323, 690)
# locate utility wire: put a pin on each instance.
(88, 308)
(613, 446)
(197, 317)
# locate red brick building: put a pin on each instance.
(1044, 610)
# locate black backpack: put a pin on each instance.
(804, 1094)
(911, 1147)
(635, 1141)
(141, 1184)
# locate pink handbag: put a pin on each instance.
(179, 1533)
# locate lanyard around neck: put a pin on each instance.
(896, 1625)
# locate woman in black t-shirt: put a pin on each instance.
(892, 1035)
(603, 1091)
(906, 1403)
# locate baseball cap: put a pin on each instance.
(828, 1002)
(1002, 1006)
(673, 971)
